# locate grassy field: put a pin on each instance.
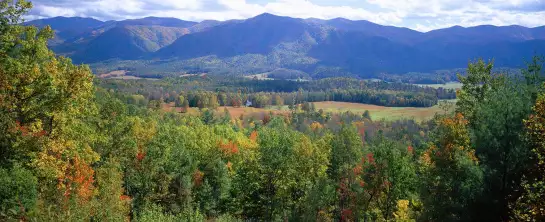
(382, 112)
(116, 73)
(132, 78)
(122, 74)
(236, 112)
(449, 85)
(377, 112)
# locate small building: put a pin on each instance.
(248, 103)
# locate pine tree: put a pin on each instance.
(530, 206)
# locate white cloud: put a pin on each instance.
(177, 4)
(48, 11)
(445, 13)
(422, 15)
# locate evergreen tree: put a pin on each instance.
(530, 205)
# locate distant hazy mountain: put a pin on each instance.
(127, 42)
(127, 39)
(156, 21)
(258, 35)
(485, 34)
(67, 28)
(396, 34)
(314, 46)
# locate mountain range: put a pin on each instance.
(268, 42)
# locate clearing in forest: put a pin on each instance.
(377, 112)
(448, 85)
(382, 112)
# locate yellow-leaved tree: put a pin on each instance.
(43, 100)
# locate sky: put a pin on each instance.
(422, 15)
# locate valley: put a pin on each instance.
(120, 115)
(379, 113)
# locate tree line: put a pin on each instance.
(235, 92)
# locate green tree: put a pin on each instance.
(475, 86)
(185, 106)
(213, 101)
(207, 116)
(260, 101)
(389, 176)
(452, 178)
(278, 100)
(288, 166)
(18, 193)
(498, 138)
(43, 102)
(113, 204)
(496, 106)
(346, 152)
(180, 100)
(534, 76)
(223, 99)
(530, 205)
(367, 114)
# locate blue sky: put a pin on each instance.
(422, 15)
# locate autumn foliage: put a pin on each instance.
(78, 181)
(229, 148)
(70, 151)
(198, 178)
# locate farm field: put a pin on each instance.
(449, 85)
(382, 112)
(133, 78)
(122, 74)
(377, 112)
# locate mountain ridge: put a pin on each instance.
(268, 42)
(45, 20)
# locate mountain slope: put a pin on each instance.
(260, 44)
(365, 55)
(396, 34)
(66, 28)
(357, 47)
(484, 34)
(157, 21)
(317, 47)
(127, 39)
(258, 35)
(128, 42)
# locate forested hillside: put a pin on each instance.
(67, 28)
(128, 39)
(317, 48)
(77, 148)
